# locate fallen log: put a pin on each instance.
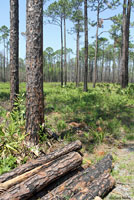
(83, 179)
(74, 146)
(43, 177)
(99, 187)
(57, 183)
(7, 184)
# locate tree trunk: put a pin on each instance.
(34, 70)
(61, 54)
(2, 68)
(127, 41)
(74, 146)
(113, 65)
(132, 71)
(109, 71)
(4, 63)
(90, 70)
(119, 66)
(1, 64)
(123, 59)
(81, 181)
(77, 55)
(14, 51)
(79, 71)
(7, 54)
(69, 68)
(96, 50)
(86, 45)
(102, 75)
(99, 187)
(43, 177)
(49, 67)
(65, 56)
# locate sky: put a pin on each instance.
(51, 37)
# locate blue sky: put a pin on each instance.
(51, 32)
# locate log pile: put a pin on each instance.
(58, 176)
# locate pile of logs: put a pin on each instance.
(58, 176)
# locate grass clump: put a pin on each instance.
(12, 135)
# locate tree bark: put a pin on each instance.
(103, 57)
(86, 45)
(99, 187)
(0, 67)
(65, 56)
(123, 59)
(91, 64)
(49, 68)
(34, 70)
(127, 41)
(4, 63)
(7, 52)
(61, 54)
(41, 179)
(77, 57)
(109, 71)
(119, 66)
(132, 71)
(74, 146)
(113, 65)
(81, 181)
(14, 51)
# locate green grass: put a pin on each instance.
(108, 104)
(106, 110)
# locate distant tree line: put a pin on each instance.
(106, 62)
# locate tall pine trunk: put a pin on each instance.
(102, 71)
(14, 50)
(119, 66)
(127, 41)
(109, 71)
(86, 45)
(77, 56)
(0, 67)
(61, 54)
(123, 47)
(91, 71)
(65, 56)
(113, 65)
(4, 62)
(34, 70)
(7, 54)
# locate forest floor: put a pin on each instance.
(102, 119)
(124, 173)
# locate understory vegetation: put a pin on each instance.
(103, 114)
